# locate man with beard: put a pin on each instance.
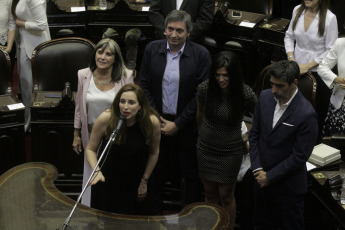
(282, 137)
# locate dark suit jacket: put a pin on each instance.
(282, 151)
(195, 63)
(201, 11)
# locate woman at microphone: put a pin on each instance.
(120, 180)
(97, 87)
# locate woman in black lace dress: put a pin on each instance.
(125, 170)
(222, 101)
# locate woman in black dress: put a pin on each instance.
(125, 170)
(221, 102)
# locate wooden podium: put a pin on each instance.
(29, 200)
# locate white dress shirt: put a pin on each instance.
(336, 56)
(309, 45)
(279, 110)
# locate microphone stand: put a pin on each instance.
(110, 142)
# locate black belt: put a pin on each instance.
(169, 117)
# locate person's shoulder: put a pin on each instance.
(128, 73)
(105, 116)
(340, 42)
(266, 93)
(247, 88)
(157, 42)
(296, 8)
(84, 71)
(156, 46)
(196, 51)
(330, 14)
(203, 85)
(196, 46)
(248, 91)
(330, 18)
(102, 121)
(155, 121)
(266, 96)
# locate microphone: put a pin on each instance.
(122, 119)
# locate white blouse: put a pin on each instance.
(97, 101)
(336, 56)
(309, 45)
(7, 22)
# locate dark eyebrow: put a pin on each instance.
(278, 85)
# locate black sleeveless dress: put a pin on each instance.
(123, 169)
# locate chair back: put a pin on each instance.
(306, 84)
(5, 73)
(263, 81)
(57, 61)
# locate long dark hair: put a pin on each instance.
(14, 6)
(235, 95)
(143, 116)
(323, 7)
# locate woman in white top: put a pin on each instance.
(312, 32)
(335, 119)
(32, 23)
(7, 28)
(97, 87)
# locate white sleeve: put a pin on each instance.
(38, 10)
(289, 40)
(325, 68)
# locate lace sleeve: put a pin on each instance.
(11, 23)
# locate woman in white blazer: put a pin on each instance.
(335, 119)
(32, 23)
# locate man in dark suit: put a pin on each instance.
(201, 11)
(282, 137)
(170, 72)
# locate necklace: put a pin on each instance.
(102, 83)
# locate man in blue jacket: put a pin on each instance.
(170, 72)
(282, 137)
